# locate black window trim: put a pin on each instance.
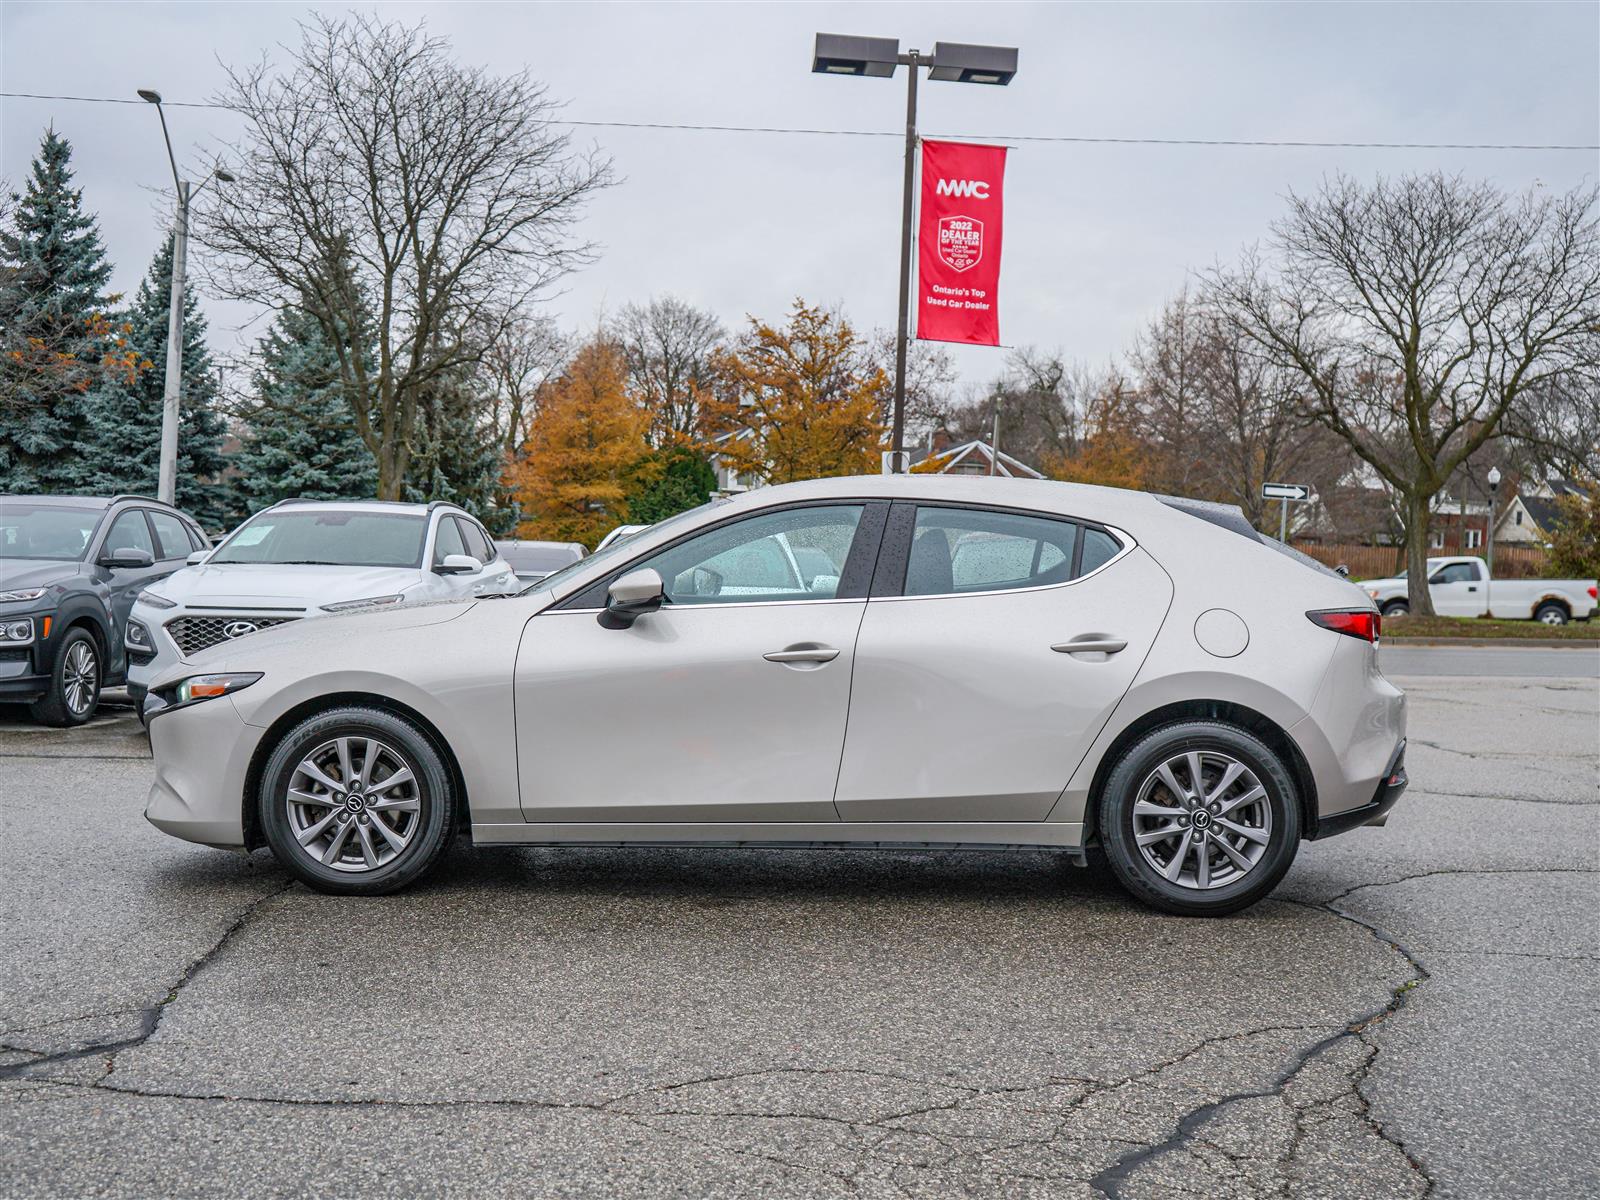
(854, 583)
(895, 555)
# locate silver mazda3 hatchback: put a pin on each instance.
(898, 661)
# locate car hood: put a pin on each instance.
(248, 585)
(18, 573)
(1383, 583)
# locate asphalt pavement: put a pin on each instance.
(1415, 1011)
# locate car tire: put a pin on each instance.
(1551, 613)
(75, 681)
(373, 831)
(1396, 608)
(1239, 868)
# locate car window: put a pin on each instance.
(478, 543)
(328, 537)
(448, 542)
(1099, 548)
(129, 532)
(1456, 573)
(197, 539)
(956, 550)
(759, 558)
(170, 533)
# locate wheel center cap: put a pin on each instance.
(1201, 818)
(355, 802)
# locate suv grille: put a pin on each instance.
(194, 634)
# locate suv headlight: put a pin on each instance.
(155, 599)
(16, 633)
(369, 602)
(137, 637)
(209, 687)
(20, 594)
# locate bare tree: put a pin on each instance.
(1418, 314)
(417, 205)
(669, 346)
(517, 364)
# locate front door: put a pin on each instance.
(969, 703)
(726, 705)
(1457, 591)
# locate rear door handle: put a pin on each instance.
(803, 654)
(1091, 644)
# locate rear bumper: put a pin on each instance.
(1376, 811)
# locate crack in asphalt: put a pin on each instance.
(1510, 799)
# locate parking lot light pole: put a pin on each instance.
(1488, 537)
(878, 58)
(167, 473)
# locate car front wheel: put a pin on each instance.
(74, 682)
(1200, 819)
(356, 801)
(1396, 608)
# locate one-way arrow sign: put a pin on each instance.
(1285, 491)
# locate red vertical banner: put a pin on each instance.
(958, 243)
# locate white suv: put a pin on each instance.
(304, 558)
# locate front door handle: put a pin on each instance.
(1091, 643)
(803, 654)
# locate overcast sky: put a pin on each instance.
(1097, 236)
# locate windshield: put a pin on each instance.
(612, 552)
(45, 531)
(327, 537)
(536, 557)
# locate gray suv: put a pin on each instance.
(70, 567)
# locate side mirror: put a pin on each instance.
(458, 564)
(127, 558)
(631, 596)
(198, 557)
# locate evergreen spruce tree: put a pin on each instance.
(456, 457)
(682, 480)
(121, 448)
(299, 437)
(56, 340)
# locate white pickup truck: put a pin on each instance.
(1460, 587)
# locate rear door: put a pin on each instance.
(968, 703)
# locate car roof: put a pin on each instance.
(1080, 499)
(389, 506)
(89, 501)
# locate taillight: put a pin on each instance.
(1360, 623)
(1594, 593)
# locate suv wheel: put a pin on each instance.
(356, 802)
(1200, 819)
(74, 682)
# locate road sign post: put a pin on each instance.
(1285, 494)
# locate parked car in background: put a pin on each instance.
(1460, 587)
(70, 567)
(992, 661)
(309, 558)
(618, 534)
(532, 561)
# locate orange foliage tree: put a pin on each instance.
(800, 401)
(585, 450)
(1113, 451)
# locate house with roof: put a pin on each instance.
(1533, 512)
(941, 456)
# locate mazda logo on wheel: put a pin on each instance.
(237, 629)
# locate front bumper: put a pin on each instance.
(1376, 811)
(202, 755)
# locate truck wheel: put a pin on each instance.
(1551, 613)
(1396, 608)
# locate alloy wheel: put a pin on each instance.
(354, 804)
(1202, 820)
(80, 678)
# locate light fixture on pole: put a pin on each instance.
(877, 58)
(167, 473)
(1488, 537)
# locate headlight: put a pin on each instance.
(209, 687)
(1372, 592)
(155, 599)
(137, 636)
(369, 602)
(20, 594)
(16, 633)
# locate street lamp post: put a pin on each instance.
(167, 475)
(1488, 537)
(877, 58)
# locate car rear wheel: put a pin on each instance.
(1551, 614)
(1200, 819)
(357, 802)
(74, 682)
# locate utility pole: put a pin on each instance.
(897, 427)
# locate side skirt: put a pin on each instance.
(773, 835)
